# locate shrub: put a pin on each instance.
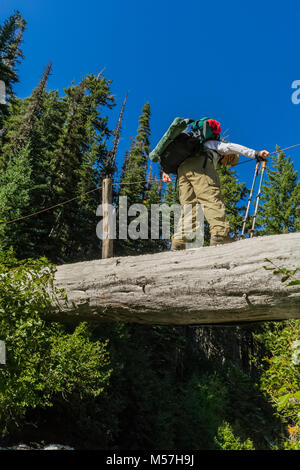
(43, 361)
(226, 440)
(280, 379)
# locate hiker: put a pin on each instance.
(199, 183)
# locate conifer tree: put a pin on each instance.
(152, 198)
(65, 141)
(76, 165)
(22, 126)
(124, 165)
(142, 138)
(15, 194)
(126, 158)
(11, 33)
(280, 208)
(25, 139)
(134, 180)
(170, 197)
(133, 184)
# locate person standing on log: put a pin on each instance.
(194, 160)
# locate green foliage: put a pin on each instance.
(143, 362)
(153, 197)
(247, 410)
(10, 55)
(201, 410)
(226, 439)
(143, 133)
(133, 182)
(74, 169)
(43, 361)
(134, 178)
(77, 364)
(61, 142)
(170, 197)
(15, 187)
(286, 274)
(291, 444)
(280, 378)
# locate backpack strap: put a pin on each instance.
(205, 160)
(207, 153)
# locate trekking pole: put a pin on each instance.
(263, 166)
(249, 200)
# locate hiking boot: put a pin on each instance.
(220, 240)
(175, 246)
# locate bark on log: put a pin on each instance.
(225, 284)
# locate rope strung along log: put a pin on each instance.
(3, 222)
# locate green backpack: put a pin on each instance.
(183, 138)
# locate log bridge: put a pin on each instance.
(225, 284)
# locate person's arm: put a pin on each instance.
(225, 148)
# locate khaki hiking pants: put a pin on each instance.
(198, 185)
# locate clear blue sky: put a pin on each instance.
(234, 61)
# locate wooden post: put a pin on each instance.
(107, 242)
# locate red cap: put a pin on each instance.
(215, 125)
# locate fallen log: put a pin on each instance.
(225, 284)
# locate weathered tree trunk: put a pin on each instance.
(209, 285)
